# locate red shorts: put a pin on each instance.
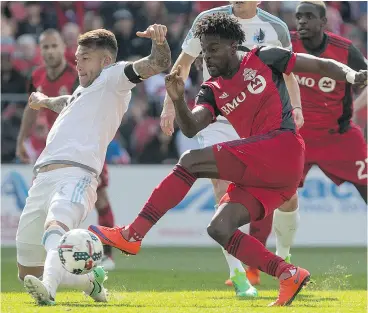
(103, 180)
(265, 170)
(342, 157)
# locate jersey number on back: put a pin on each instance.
(362, 166)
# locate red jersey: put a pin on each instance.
(327, 104)
(62, 85)
(255, 100)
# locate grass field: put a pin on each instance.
(176, 280)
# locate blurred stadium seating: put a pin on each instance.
(139, 139)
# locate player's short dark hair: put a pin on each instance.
(100, 39)
(50, 31)
(220, 24)
(320, 5)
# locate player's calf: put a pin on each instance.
(228, 218)
(105, 218)
(23, 271)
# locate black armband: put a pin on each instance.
(133, 77)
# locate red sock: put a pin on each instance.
(106, 218)
(251, 252)
(261, 230)
(166, 195)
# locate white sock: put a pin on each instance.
(232, 261)
(285, 225)
(82, 282)
(52, 272)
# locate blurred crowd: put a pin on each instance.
(139, 139)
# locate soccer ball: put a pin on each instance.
(80, 251)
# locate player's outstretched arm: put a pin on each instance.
(329, 68)
(160, 57)
(190, 122)
(38, 100)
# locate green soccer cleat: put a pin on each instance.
(242, 286)
(288, 259)
(97, 291)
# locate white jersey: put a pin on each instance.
(262, 29)
(86, 126)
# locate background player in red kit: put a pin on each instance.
(332, 140)
(56, 78)
(265, 167)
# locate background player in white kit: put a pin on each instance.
(261, 28)
(64, 190)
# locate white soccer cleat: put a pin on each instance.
(97, 291)
(108, 263)
(38, 290)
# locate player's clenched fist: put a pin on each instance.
(156, 32)
(36, 100)
(175, 84)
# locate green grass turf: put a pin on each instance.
(192, 280)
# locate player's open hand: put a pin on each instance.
(167, 119)
(298, 117)
(36, 100)
(156, 32)
(361, 78)
(175, 84)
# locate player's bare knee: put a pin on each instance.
(187, 160)
(290, 205)
(219, 232)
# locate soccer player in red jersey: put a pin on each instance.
(332, 140)
(265, 166)
(57, 78)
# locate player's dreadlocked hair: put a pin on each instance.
(220, 24)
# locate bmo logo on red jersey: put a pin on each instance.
(255, 86)
(325, 84)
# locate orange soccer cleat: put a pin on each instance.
(228, 282)
(114, 238)
(254, 276)
(291, 286)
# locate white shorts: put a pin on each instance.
(65, 195)
(220, 131)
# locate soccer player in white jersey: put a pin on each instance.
(261, 28)
(64, 190)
